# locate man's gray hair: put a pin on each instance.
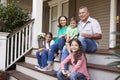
(84, 7)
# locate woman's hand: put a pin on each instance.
(62, 36)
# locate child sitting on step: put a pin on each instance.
(78, 62)
(71, 32)
(42, 53)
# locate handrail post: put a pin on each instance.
(3, 41)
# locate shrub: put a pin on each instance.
(12, 16)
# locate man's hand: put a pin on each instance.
(87, 35)
(92, 36)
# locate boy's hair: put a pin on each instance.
(49, 33)
(74, 19)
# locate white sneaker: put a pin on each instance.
(57, 59)
(38, 67)
(47, 69)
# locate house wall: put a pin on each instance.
(100, 10)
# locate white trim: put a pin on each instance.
(112, 39)
(56, 2)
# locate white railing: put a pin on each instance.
(19, 43)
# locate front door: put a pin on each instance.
(118, 21)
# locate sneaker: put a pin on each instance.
(38, 67)
(57, 59)
(47, 69)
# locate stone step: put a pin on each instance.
(97, 72)
(16, 75)
(29, 69)
(102, 57)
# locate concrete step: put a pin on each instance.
(16, 75)
(29, 69)
(100, 57)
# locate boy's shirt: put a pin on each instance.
(72, 31)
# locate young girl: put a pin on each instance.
(42, 53)
(72, 32)
(78, 61)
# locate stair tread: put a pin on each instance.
(107, 51)
(20, 76)
(99, 51)
(31, 66)
(104, 67)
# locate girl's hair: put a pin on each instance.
(49, 33)
(74, 19)
(78, 54)
(59, 25)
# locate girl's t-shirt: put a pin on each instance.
(80, 66)
(61, 31)
(48, 45)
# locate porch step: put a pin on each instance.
(101, 57)
(94, 69)
(16, 75)
(29, 69)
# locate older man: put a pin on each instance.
(89, 30)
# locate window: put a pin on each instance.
(57, 8)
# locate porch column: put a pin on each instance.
(3, 38)
(37, 9)
(112, 40)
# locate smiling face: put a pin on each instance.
(63, 21)
(48, 37)
(73, 23)
(74, 46)
(83, 14)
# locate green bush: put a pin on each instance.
(12, 16)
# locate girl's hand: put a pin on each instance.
(39, 50)
(64, 73)
(68, 74)
(40, 53)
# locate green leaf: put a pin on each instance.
(117, 77)
(117, 33)
(116, 54)
(115, 63)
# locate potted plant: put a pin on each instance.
(41, 40)
(3, 75)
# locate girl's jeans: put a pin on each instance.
(42, 59)
(73, 76)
